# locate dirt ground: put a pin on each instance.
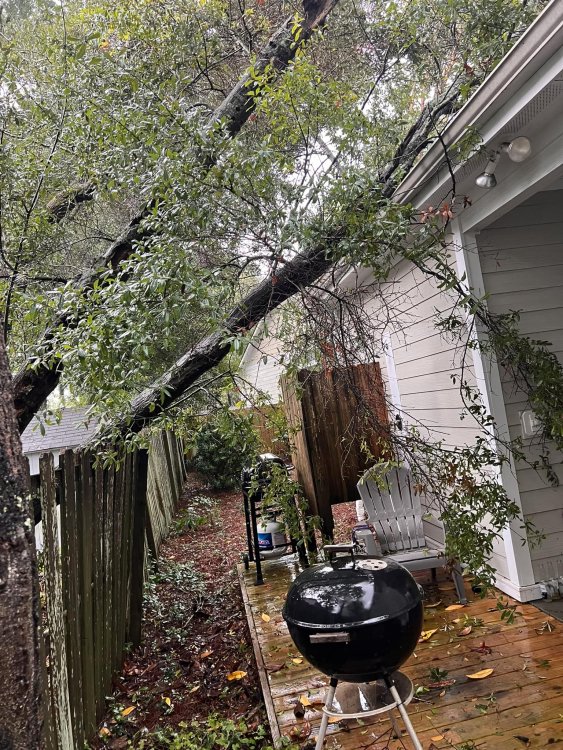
(195, 635)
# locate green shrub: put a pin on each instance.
(217, 733)
(224, 444)
(197, 513)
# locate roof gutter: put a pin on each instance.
(534, 48)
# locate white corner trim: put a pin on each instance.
(487, 375)
(392, 379)
(520, 593)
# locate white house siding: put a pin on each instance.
(261, 370)
(424, 362)
(522, 263)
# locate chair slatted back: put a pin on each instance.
(394, 510)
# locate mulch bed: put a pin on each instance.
(195, 632)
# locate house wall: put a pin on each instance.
(262, 376)
(424, 362)
(522, 264)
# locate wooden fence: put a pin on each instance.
(264, 419)
(330, 414)
(94, 572)
(166, 475)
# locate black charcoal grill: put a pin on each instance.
(355, 619)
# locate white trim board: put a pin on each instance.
(487, 375)
(520, 593)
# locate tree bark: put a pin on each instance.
(20, 710)
(32, 386)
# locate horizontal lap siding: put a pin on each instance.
(260, 375)
(522, 263)
(424, 363)
(425, 360)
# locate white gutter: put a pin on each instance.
(534, 48)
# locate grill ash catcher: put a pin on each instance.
(357, 620)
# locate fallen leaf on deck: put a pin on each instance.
(453, 607)
(524, 740)
(333, 719)
(426, 635)
(432, 606)
(265, 617)
(304, 700)
(297, 661)
(238, 674)
(546, 627)
(480, 675)
(465, 631)
(128, 710)
(440, 684)
(441, 695)
(300, 731)
(274, 667)
(437, 738)
(483, 649)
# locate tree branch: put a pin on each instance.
(32, 386)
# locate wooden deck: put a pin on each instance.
(519, 705)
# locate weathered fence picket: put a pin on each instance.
(94, 571)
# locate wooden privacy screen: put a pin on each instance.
(337, 410)
(93, 574)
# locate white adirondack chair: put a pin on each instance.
(395, 511)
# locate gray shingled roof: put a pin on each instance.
(68, 433)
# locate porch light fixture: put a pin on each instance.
(518, 150)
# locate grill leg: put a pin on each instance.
(395, 726)
(327, 707)
(404, 715)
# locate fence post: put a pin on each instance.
(54, 597)
(70, 537)
(139, 487)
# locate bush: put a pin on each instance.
(223, 445)
(217, 733)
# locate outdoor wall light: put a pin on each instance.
(518, 150)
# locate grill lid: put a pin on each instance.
(348, 593)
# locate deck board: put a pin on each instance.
(520, 705)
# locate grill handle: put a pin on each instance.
(333, 549)
(340, 637)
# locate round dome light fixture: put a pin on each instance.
(486, 180)
(519, 149)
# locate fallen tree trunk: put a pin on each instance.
(33, 385)
(265, 297)
(294, 276)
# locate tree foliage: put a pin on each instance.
(113, 136)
